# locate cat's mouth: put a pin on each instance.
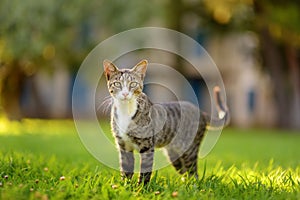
(124, 99)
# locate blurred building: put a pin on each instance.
(48, 95)
(248, 95)
(219, 26)
(248, 90)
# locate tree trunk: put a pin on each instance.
(294, 77)
(11, 86)
(274, 63)
(175, 12)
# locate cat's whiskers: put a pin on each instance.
(106, 104)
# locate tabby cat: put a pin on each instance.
(138, 124)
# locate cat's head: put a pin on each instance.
(125, 84)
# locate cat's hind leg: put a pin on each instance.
(190, 160)
(176, 160)
(186, 162)
(190, 156)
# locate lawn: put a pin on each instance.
(46, 160)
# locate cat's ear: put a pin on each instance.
(109, 68)
(141, 68)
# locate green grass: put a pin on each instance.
(245, 164)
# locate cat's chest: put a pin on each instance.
(123, 122)
(123, 117)
(123, 126)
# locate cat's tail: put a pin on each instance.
(223, 113)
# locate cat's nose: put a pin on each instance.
(125, 94)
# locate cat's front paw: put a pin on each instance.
(126, 175)
(144, 178)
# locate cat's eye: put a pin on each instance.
(117, 84)
(133, 84)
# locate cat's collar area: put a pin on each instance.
(128, 107)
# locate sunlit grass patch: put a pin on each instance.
(29, 176)
(269, 182)
(36, 126)
(42, 159)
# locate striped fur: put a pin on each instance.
(140, 125)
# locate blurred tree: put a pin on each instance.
(276, 24)
(279, 32)
(48, 34)
(34, 34)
